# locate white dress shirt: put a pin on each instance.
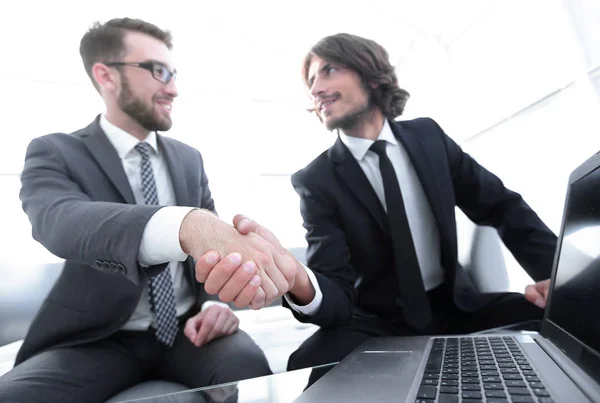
(160, 240)
(422, 224)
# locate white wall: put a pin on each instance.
(509, 80)
(531, 113)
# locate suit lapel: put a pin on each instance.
(105, 154)
(175, 165)
(352, 174)
(421, 161)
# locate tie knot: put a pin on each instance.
(143, 148)
(378, 147)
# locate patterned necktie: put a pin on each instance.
(412, 290)
(161, 294)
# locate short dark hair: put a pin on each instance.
(371, 61)
(104, 42)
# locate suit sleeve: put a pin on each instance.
(207, 201)
(328, 256)
(72, 226)
(482, 196)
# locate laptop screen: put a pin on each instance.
(575, 301)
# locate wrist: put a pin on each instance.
(303, 291)
(191, 239)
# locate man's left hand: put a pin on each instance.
(212, 322)
(537, 293)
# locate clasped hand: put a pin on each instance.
(248, 266)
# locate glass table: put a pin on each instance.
(283, 387)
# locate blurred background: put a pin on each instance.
(515, 83)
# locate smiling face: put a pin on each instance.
(143, 98)
(338, 94)
(138, 85)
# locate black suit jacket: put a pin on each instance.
(82, 209)
(349, 243)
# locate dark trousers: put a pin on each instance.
(332, 345)
(96, 371)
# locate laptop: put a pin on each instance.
(560, 364)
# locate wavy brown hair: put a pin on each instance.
(105, 42)
(370, 61)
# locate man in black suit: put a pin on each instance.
(127, 306)
(379, 210)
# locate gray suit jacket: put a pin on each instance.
(82, 209)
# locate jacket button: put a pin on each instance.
(113, 267)
(121, 268)
(98, 264)
(106, 266)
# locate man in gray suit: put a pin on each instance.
(127, 306)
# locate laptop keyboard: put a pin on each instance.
(479, 369)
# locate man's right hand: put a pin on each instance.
(302, 291)
(201, 232)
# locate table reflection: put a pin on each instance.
(284, 387)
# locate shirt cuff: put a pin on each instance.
(160, 240)
(315, 304)
(208, 303)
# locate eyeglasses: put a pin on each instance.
(159, 71)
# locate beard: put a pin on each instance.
(350, 121)
(140, 112)
(354, 118)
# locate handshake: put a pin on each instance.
(244, 263)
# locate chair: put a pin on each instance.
(488, 270)
(486, 266)
(22, 292)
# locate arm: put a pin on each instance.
(328, 256)
(108, 235)
(486, 201)
(206, 199)
(160, 242)
(71, 225)
(306, 296)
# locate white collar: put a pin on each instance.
(122, 141)
(359, 146)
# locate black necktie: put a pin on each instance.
(412, 290)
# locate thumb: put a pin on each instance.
(244, 225)
(543, 287)
(191, 327)
(533, 295)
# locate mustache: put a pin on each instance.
(325, 98)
